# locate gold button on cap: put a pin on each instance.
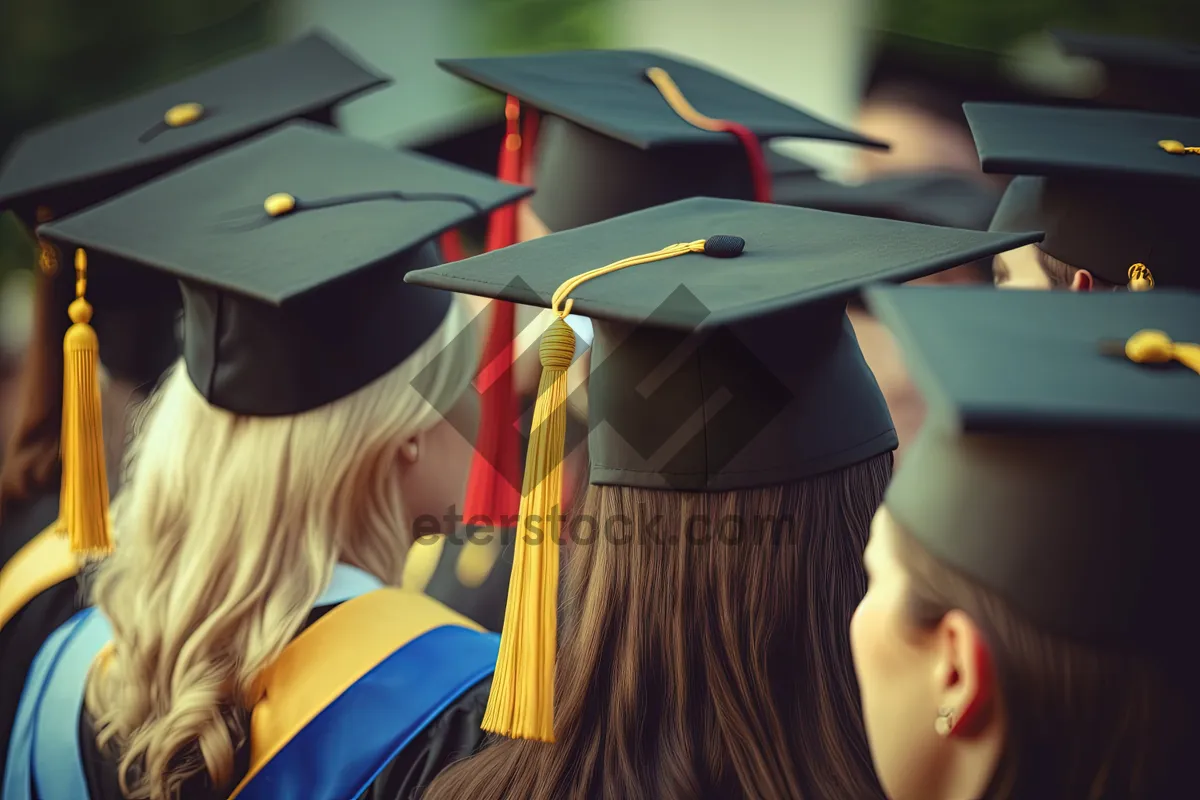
(279, 204)
(183, 114)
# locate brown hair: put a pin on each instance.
(1061, 274)
(30, 463)
(1081, 722)
(705, 650)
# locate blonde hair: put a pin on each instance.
(228, 529)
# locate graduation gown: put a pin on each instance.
(22, 635)
(387, 736)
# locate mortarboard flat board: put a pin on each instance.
(930, 198)
(611, 129)
(69, 165)
(1141, 73)
(298, 238)
(1052, 468)
(765, 333)
(1113, 195)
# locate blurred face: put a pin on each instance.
(438, 463)
(896, 665)
(1020, 269)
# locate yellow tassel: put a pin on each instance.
(521, 704)
(83, 504)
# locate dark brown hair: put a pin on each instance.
(1061, 274)
(30, 463)
(1081, 722)
(705, 650)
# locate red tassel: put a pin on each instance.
(452, 249)
(759, 174)
(494, 486)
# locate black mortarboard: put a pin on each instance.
(1143, 73)
(473, 142)
(769, 326)
(723, 360)
(930, 198)
(613, 143)
(289, 249)
(1114, 195)
(64, 167)
(1019, 205)
(1052, 468)
(783, 166)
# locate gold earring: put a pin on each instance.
(944, 724)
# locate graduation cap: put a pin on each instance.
(61, 168)
(740, 332)
(1143, 73)
(67, 166)
(628, 130)
(1051, 468)
(289, 250)
(930, 198)
(1119, 188)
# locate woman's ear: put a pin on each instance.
(410, 451)
(1082, 282)
(965, 682)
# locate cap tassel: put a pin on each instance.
(1155, 347)
(1140, 278)
(759, 174)
(83, 503)
(496, 466)
(521, 704)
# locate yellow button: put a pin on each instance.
(183, 114)
(279, 204)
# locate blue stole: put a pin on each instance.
(385, 710)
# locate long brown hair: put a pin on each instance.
(1081, 722)
(705, 650)
(30, 464)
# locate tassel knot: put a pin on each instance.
(557, 347)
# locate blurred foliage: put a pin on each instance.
(512, 27)
(994, 26)
(61, 57)
(527, 26)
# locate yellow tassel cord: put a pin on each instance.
(521, 705)
(1140, 278)
(1155, 347)
(679, 104)
(83, 505)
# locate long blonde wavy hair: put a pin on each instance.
(228, 529)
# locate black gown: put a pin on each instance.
(24, 634)
(452, 735)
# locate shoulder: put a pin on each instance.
(453, 735)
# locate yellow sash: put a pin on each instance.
(329, 657)
(46, 560)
